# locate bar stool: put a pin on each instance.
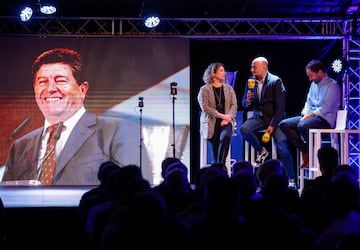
(204, 153)
(339, 140)
(316, 140)
(250, 154)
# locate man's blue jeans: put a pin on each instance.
(249, 130)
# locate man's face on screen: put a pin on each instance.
(57, 93)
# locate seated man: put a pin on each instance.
(319, 111)
(267, 99)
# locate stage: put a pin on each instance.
(41, 196)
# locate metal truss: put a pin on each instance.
(195, 28)
(353, 98)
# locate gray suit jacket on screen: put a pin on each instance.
(93, 141)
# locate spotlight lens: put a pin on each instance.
(152, 21)
(26, 14)
(48, 9)
(337, 66)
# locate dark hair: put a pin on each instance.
(315, 66)
(61, 55)
(328, 157)
(166, 163)
(242, 166)
(345, 167)
(269, 167)
(176, 166)
(105, 169)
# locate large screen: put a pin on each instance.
(120, 72)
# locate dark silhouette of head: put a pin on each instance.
(166, 163)
(328, 159)
(105, 169)
(242, 166)
(268, 168)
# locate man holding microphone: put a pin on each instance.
(265, 96)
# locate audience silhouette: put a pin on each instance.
(219, 208)
(99, 214)
(93, 197)
(314, 207)
(343, 200)
(177, 191)
(3, 226)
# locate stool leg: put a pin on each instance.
(228, 161)
(301, 171)
(203, 152)
(273, 148)
(246, 152)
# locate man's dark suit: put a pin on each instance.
(272, 109)
(93, 141)
(272, 102)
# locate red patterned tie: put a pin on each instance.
(48, 167)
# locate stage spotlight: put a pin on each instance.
(150, 13)
(26, 13)
(31, 9)
(151, 21)
(47, 9)
(337, 65)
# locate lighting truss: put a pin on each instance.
(197, 28)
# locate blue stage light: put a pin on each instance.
(337, 65)
(26, 13)
(151, 21)
(47, 9)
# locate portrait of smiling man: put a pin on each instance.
(82, 140)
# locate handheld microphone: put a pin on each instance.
(20, 127)
(251, 84)
(266, 137)
(173, 90)
(141, 102)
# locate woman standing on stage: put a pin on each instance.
(218, 104)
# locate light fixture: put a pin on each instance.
(149, 13)
(151, 21)
(48, 9)
(29, 10)
(26, 13)
(337, 65)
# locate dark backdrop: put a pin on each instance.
(287, 59)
